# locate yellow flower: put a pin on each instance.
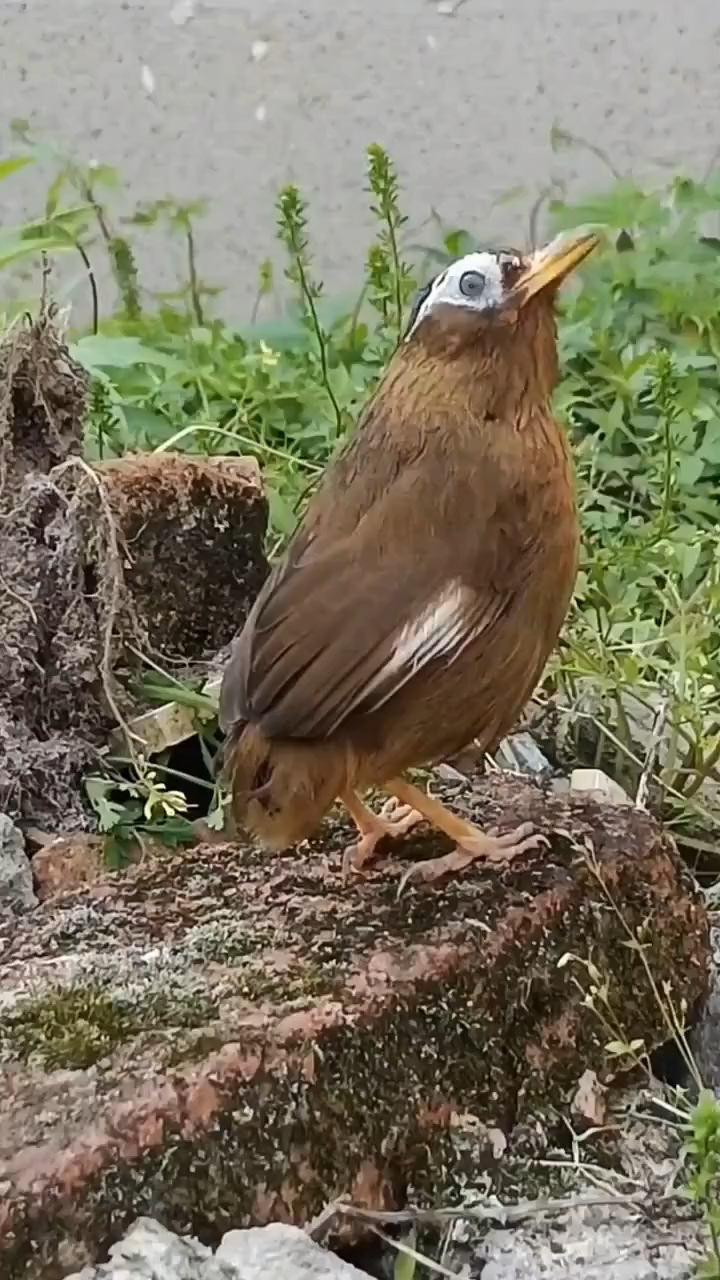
(268, 357)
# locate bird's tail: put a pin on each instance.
(281, 790)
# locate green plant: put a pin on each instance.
(640, 344)
(702, 1150)
(128, 811)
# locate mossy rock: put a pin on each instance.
(265, 1035)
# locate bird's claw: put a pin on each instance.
(394, 820)
(509, 845)
(487, 847)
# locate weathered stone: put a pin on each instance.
(100, 567)
(223, 1038)
(193, 530)
(16, 882)
(593, 1244)
(67, 863)
(281, 1252)
(597, 783)
(275, 1252)
(44, 617)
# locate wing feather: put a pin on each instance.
(349, 617)
(309, 657)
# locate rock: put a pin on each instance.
(276, 1252)
(194, 533)
(100, 566)
(599, 785)
(592, 1244)
(67, 863)
(223, 1038)
(281, 1252)
(16, 882)
(43, 611)
(40, 427)
(520, 752)
(150, 1252)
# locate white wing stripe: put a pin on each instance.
(436, 631)
(443, 628)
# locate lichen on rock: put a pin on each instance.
(326, 1035)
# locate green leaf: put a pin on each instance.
(118, 848)
(405, 1265)
(66, 222)
(8, 167)
(175, 832)
(709, 447)
(109, 813)
(99, 351)
(282, 516)
(690, 469)
(15, 248)
(689, 556)
(616, 1048)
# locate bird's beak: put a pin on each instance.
(552, 264)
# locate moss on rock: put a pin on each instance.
(76, 1027)
(349, 1029)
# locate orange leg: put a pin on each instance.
(472, 844)
(393, 821)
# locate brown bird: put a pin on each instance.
(421, 595)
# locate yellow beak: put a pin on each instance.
(553, 263)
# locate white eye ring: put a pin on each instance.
(472, 284)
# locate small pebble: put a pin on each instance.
(259, 50)
(148, 80)
(182, 12)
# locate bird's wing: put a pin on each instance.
(341, 626)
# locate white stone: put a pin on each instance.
(599, 786)
(583, 1247)
(280, 1252)
(276, 1252)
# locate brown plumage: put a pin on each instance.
(419, 599)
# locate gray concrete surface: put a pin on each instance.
(170, 92)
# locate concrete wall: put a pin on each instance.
(465, 102)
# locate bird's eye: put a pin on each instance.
(472, 284)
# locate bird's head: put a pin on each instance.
(488, 295)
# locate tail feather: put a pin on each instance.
(281, 789)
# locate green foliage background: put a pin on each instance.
(639, 394)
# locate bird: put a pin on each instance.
(415, 606)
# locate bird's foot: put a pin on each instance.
(394, 820)
(474, 847)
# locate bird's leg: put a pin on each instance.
(472, 844)
(393, 821)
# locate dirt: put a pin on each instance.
(51, 709)
(207, 515)
(89, 580)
